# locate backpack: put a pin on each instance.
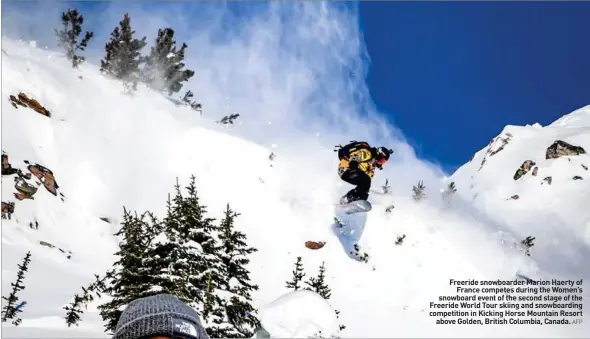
(344, 151)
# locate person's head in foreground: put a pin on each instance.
(161, 316)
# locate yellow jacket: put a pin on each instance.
(365, 159)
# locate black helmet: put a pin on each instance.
(382, 154)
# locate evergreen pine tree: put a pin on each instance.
(318, 283)
(163, 69)
(74, 309)
(298, 275)
(234, 252)
(11, 309)
(123, 55)
(131, 278)
(67, 38)
(418, 191)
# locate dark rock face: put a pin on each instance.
(561, 148)
(524, 169)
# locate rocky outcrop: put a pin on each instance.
(577, 177)
(24, 101)
(314, 245)
(548, 180)
(7, 167)
(50, 245)
(495, 146)
(585, 167)
(7, 210)
(561, 148)
(46, 177)
(25, 190)
(514, 197)
(524, 169)
(535, 171)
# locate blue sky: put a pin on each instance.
(452, 75)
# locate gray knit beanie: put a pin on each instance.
(159, 315)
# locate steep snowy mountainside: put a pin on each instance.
(513, 181)
(106, 150)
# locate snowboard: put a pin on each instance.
(356, 206)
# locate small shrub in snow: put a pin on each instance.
(67, 38)
(418, 191)
(526, 244)
(229, 119)
(386, 188)
(400, 240)
(186, 99)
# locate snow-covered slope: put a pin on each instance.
(550, 201)
(107, 150)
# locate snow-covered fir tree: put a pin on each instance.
(123, 55)
(234, 252)
(298, 274)
(418, 191)
(13, 307)
(131, 277)
(164, 67)
(67, 38)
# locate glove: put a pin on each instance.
(353, 165)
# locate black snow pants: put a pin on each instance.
(362, 182)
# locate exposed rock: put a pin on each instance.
(535, 171)
(7, 209)
(524, 169)
(25, 190)
(105, 219)
(514, 197)
(548, 180)
(6, 166)
(25, 101)
(577, 177)
(46, 177)
(50, 245)
(561, 148)
(496, 145)
(314, 245)
(45, 243)
(584, 167)
(389, 208)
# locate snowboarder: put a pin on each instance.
(358, 161)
